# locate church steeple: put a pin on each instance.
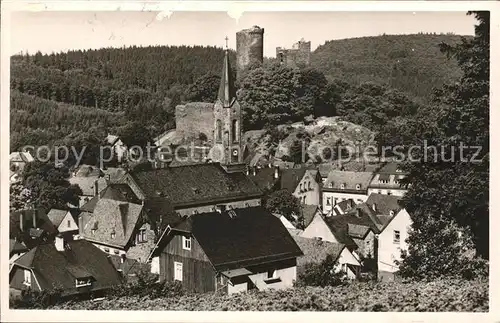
(227, 92)
(228, 132)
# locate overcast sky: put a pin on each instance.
(56, 31)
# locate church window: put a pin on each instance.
(234, 131)
(219, 130)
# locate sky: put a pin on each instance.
(60, 31)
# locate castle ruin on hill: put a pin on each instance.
(297, 56)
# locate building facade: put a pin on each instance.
(249, 48)
(344, 185)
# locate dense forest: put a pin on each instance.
(410, 63)
(108, 87)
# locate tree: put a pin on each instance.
(48, 186)
(323, 274)
(135, 134)
(204, 89)
(283, 202)
(449, 200)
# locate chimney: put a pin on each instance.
(33, 213)
(96, 188)
(80, 223)
(276, 172)
(59, 242)
(21, 221)
(374, 207)
(253, 171)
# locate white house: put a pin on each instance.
(387, 180)
(63, 220)
(391, 241)
(344, 185)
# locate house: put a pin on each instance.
(117, 146)
(304, 183)
(118, 223)
(230, 251)
(16, 250)
(195, 188)
(18, 160)
(31, 227)
(342, 207)
(75, 267)
(394, 228)
(63, 221)
(316, 250)
(344, 185)
(387, 180)
(91, 181)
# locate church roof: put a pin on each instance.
(227, 90)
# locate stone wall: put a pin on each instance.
(194, 118)
(297, 56)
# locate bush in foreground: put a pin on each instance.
(438, 295)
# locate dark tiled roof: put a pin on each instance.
(315, 251)
(87, 183)
(227, 91)
(384, 203)
(54, 268)
(349, 179)
(390, 168)
(291, 177)
(42, 222)
(308, 212)
(117, 192)
(345, 206)
(111, 216)
(56, 216)
(348, 226)
(88, 171)
(194, 184)
(264, 178)
(253, 236)
(16, 247)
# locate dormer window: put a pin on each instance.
(330, 185)
(141, 236)
(81, 282)
(358, 186)
(342, 186)
(186, 243)
(391, 212)
(113, 235)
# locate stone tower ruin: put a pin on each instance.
(297, 56)
(249, 47)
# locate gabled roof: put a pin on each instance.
(115, 174)
(351, 225)
(117, 192)
(308, 212)
(16, 247)
(20, 156)
(112, 223)
(195, 184)
(291, 177)
(111, 139)
(56, 216)
(351, 180)
(384, 204)
(86, 183)
(264, 178)
(241, 237)
(54, 268)
(315, 251)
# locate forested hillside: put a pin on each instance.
(409, 63)
(365, 80)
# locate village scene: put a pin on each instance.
(240, 199)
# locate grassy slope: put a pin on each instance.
(449, 295)
(411, 63)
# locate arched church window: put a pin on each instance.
(234, 131)
(219, 130)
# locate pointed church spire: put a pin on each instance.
(227, 91)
